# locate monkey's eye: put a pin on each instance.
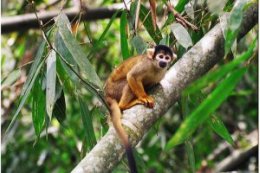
(161, 56)
(167, 58)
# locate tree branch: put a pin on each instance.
(239, 156)
(27, 21)
(138, 120)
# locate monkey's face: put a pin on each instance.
(163, 60)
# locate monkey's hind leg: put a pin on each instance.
(127, 97)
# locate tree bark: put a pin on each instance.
(28, 21)
(138, 120)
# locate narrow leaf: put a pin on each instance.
(182, 35)
(26, 92)
(153, 11)
(181, 4)
(87, 123)
(216, 7)
(59, 110)
(206, 108)
(38, 107)
(50, 82)
(190, 153)
(146, 18)
(99, 44)
(37, 61)
(65, 78)
(218, 126)
(189, 10)
(234, 23)
(137, 12)
(77, 51)
(220, 72)
(11, 78)
(139, 44)
(123, 35)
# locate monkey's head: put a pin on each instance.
(162, 56)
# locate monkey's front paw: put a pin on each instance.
(148, 101)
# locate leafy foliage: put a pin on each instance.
(63, 90)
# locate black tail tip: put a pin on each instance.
(131, 159)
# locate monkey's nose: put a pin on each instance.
(162, 64)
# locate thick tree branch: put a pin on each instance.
(27, 21)
(239, 156)
(138, 120)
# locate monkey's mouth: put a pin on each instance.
(162, 64)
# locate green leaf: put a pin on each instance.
(234, 23)
(34, 71)
(50, 82)
(218, 126)
(77, 51)
(37, 61)
(65, 78)
(123, 35)
(146, 18)
(11, 78)
(206, 108)
(99, 44)
(190, 153)
(59, 110)
(87, 123)
(220, 72)
(181, 34)
(169, 20)
(216, 7)
(180, 6)
(139, 44)
(38, 107)
(61, 48)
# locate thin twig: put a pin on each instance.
(181, 19)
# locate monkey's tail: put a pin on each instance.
(115, 113)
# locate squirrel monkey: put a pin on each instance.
(126, 86)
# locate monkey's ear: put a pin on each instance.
(150, 53)
(174, 56)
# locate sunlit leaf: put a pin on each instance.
(233, 24)
(189, 10)
(236, 15)
(50, 82)
(216, 7)
(11, 78)
(123, 35)
(182, 35)
(220, 72)
(139, 44)
(218, 126)
(206, 108)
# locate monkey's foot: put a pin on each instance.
(148, 101)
